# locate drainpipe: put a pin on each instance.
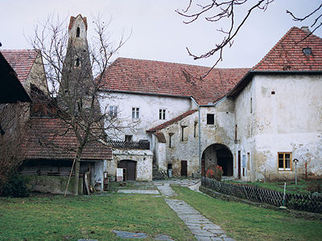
(199, 134)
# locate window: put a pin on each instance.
(195, 133)
(210, 119)
(236, 133)
(251, 105)
(170, 139)
(284, 160)
(112, 111)
(77, 32)
(77, 62)
(184, 136)
(162, 114)
(135, 113)
(128, 138)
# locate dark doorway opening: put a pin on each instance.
(130, 169)
(184, 168)
(217, 154)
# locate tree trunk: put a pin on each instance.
(77, 167)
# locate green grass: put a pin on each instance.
(245, 222)
(94, 217)
(301, 187)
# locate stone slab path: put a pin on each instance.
(131, 191)
(201, 227)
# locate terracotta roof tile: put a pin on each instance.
(172, 121)
(50, 138)
(155, 77)
(287, 54)
(21, 61)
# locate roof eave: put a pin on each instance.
(249, 76)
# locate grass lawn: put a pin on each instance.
(245, 222)
(94, 217)
(301, 187)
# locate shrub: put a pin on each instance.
(314, 187)
(214, 172)
(15, 187)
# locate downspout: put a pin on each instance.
(199, 134)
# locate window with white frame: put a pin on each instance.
(112, 111)
(284, 161)
(161, 114)
(135, 113)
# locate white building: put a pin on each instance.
(253, 123)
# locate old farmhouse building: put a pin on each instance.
(172, 121)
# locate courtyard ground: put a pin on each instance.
(49, 217)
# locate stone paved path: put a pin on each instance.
(201, 227)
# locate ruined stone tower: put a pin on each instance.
(77, 78)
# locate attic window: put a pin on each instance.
(77, 32)
(307, 51)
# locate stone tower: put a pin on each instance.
(77, 78)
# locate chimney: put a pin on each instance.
(306, 29)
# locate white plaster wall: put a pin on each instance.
(245, 116)
(287, 121)
(149, 112)
(143, 160)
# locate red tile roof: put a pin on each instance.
(21, 61)
(170, 122)
(287, 54)
(155, 77)
(50, 138)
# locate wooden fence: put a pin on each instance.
(302, 202)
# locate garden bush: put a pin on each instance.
(15, 187)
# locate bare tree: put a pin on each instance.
(233, 14)
(70, 67)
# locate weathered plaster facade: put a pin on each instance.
(143, 159)
(286, 117)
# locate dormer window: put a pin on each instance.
(77, 32)
(307, 51)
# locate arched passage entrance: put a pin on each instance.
(130, 169)
(217, 154)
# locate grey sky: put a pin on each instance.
(158, 33)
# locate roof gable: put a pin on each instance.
(21, 61)
(163, 78)
(287, 54)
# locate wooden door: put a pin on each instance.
(184, 168)
(130, 169)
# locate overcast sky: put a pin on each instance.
(157, 32)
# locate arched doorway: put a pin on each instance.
(130, 169)
(217, 154)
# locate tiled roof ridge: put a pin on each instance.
(285, 36)
(22, 73)
(170, 122)
(175, 63)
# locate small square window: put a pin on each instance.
(284, 161)
(112, 111)
(135, 113)
(128, 138)
(210, 119)
(162, 114)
